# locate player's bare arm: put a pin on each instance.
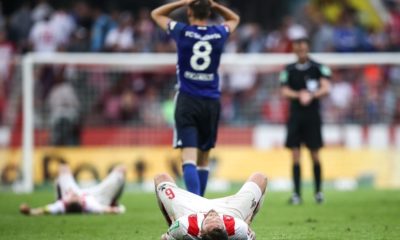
(166, 236)
(252, 234)
(306, 97)
(324, 89)
(27, 210)
(114, 209)
(232, 20)
(161, 14)
(290, 93)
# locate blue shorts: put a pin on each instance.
(196, 122)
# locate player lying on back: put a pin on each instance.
(102, 198)
(190, 216)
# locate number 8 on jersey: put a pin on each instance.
(201, 53)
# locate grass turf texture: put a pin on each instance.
(362, 214)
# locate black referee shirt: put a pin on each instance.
(298, 76)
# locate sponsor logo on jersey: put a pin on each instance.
(195, 35)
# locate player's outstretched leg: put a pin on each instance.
(108, 191)
(262, 182)
(319, 197)
(66, 182)
(157, 181)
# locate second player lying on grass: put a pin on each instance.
(193, 217)
(102, 198)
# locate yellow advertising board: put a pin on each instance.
(230, 163)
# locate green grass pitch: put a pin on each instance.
(362, 214)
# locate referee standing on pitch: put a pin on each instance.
(304, 83)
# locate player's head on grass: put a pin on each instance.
(212, 227)
(215, 234)
(199, 10)
(73, 207)
(73, 203)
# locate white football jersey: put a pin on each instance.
(123, 38)
(188, 227)
(45, 38)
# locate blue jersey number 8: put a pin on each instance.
(201, 50)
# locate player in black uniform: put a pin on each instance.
(304, 83)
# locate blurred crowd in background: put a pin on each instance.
(81, 26)
(364, 94)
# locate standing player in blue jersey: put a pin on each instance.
(197, 111)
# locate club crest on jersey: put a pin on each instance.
(162, 187)
(253, 203)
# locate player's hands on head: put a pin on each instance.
(25, 209)
(305, 97)
(212, 3)
(187, 2)
(252, 234)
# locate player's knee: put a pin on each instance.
(258, 176)
(121, 169)
(163, 177)
(158, 177)
(315, 160)
(64, 169)
(296, 155)
(260, 179)
(315, 157)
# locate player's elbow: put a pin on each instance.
(154, 15)
(237, 19)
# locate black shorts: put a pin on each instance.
(196, 122)
(304, 130)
